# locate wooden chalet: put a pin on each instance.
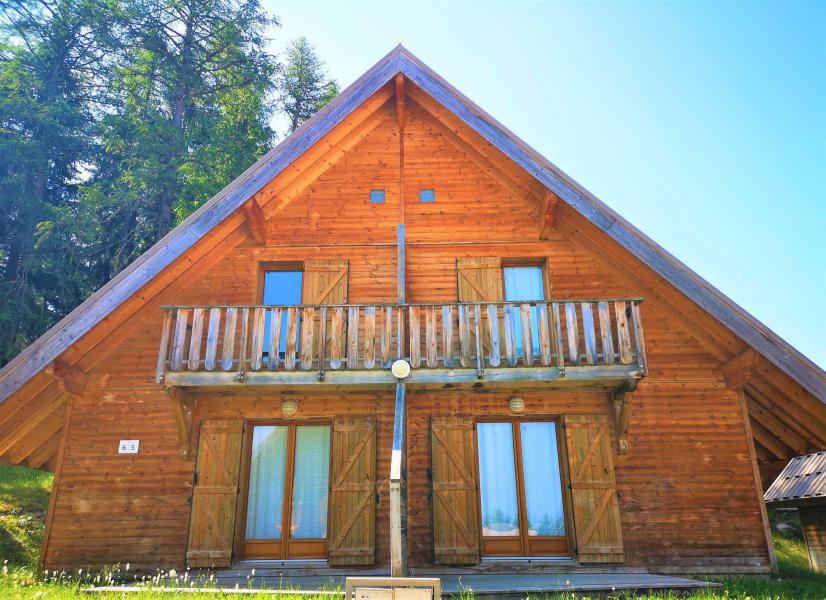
(405, 340)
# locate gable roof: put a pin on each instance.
(81, 320)
(803, 479)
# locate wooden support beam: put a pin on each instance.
(400, 100)
(739, 370)
(758, 486)
(256, 221)
(548, 222)
(183, 405)
(621, 402)
(70, 379)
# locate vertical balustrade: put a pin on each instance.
(623, 334)
(464, 336)
(336, 337)
(447, 335)
(369, 337)
(257, 350)
(387, 338)
(353, 337)
(605, 333)
(275, 338)
(544, 335)
(494, 351)
(494, 335)
(290, 342)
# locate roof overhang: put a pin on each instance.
(112, 295)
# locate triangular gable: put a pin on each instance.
(55, 341)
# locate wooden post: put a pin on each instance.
(398, 491)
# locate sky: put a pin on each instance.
(702, 124)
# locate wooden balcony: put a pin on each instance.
(573, 342)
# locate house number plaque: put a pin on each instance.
(128, 446)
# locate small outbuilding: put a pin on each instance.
(802, 485)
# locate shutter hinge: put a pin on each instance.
(189, 501)
(195, 478)
(430, 475)
(378, 498)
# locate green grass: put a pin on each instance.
(24, 498)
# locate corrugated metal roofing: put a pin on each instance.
(804, 478)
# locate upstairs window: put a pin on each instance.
(523, 284)
(428, 195)
(281, 287)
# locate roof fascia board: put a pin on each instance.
(719, 306)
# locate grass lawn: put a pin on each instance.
(24, 497)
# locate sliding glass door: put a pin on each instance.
(520, 486)
(288, 483)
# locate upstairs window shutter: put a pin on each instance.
(480, 279)
(455, 496)
(215, 494)
(594, 489)
(352, 492)
(325, 282)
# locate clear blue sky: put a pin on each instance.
(703, 124)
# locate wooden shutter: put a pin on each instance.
(325, 282)
(480, 279)
(594, 490)
(454, 491)
(215, 494)
(353, 492)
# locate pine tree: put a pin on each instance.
(304, 86)
(51, 65)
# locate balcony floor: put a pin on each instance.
(545, 377)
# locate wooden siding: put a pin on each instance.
(685, 487)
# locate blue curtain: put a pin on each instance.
(497, 480)
(524, 284)
(281, 288)
(543, 487)
(266, 487)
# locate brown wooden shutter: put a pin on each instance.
(353, 492)
(214, 497)
(594, 490)
(454, 491)
(325, 282)
(480, 279)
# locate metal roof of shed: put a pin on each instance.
(802, 481)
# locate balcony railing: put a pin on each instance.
(564, 336)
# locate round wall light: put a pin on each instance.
(517, 404)
(289, 407)
(400, 369)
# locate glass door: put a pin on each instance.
(520, 488)
(288, 482)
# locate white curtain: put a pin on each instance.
(311, 482)
(266, 487)
(543, 489)
(524, 284)
(497, 480)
